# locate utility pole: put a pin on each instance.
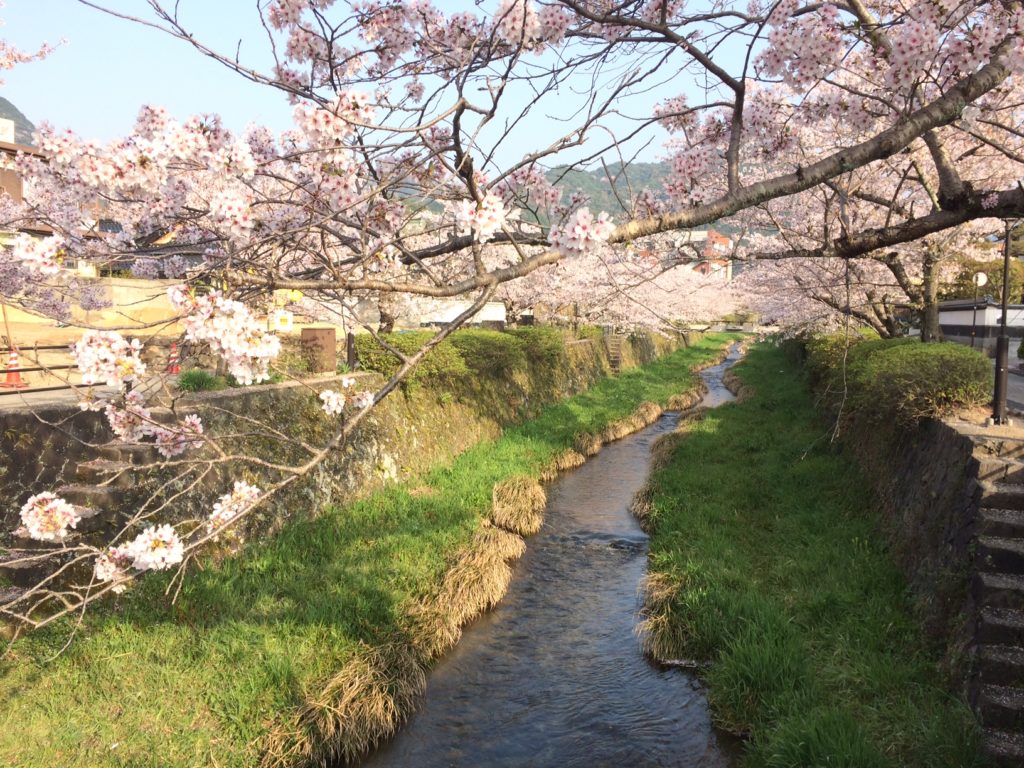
(1003, 342)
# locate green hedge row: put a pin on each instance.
(897, 380)
(467, 351)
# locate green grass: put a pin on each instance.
(784, 585)
(199, 682)
(198, 380)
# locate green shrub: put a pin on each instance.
(441, 366)
(899, 380)
(490, 353)
(594, 332)
(545, 346)
(907, 382)
(825, 353)
(294, 360)
(198, 380)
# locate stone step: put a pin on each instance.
(100, 498)
(1001, 665)
(115, 474)
(1001, 707)
(27, 573)
(1001, 496)
(133, 453)
(1006, 748)
(1003, 447)
(1000, 626)
(999, 469)
(999, 554)
(163, 415)
(999, 590)
(9, 594)
(1001, 522)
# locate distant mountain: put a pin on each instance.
(605, 187)
(23, 127)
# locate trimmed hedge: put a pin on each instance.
(490, 353)
(441, 366)
(898, 380)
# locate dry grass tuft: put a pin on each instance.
(474, 584)
(686, 400)
(421, 491)
(567, 459)
(378, 688)
(508, 546)
(481, 575)
(663, 448)
(733, 383)
(362, 704)
(641, 506)
(658, 637)
(519, 505)
(645, 414)
(432, 628)
(587, 444)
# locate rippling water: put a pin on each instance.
(554, 676)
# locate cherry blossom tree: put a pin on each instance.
(398, 182)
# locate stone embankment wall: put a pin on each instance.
(411, 430)
(952, 498)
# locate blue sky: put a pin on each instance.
(95, 82)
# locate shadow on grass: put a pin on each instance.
(768, 535)
(198, 681)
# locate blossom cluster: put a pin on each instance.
(108, 357)
(40, 255)
(231, 505)
(231, 330)
(334, 401)
(531, 182)
(113, 565)
(483, 219)
(233, 209)
(519, 23)
(132, 420)
(47, 517)
(804, 49)
(582, 233)
(157, 548)
(174, 442)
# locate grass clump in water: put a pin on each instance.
(766, 563)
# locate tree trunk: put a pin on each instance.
(385, 306)
(930, 330)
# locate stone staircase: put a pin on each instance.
(101, 493)
(997, 688)
(614, 341)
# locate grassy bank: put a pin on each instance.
(767, 563)
(256, 643)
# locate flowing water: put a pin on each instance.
(554, 675)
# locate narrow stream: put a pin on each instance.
(554, 675)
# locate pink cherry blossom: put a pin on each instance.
(47, 517)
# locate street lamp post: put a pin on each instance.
(979, 279)
(1002, 342)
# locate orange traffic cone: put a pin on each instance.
(173, 364)
(13, 371)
